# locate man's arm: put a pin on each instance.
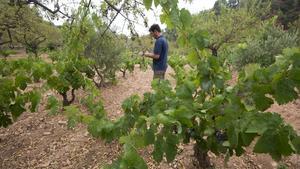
(151, 55)
(157, 50)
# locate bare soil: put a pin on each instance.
(39, 140)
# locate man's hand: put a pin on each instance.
(142, 53)
(147, 53)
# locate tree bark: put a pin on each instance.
(66, 101)
(202, 157)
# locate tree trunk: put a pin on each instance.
(202, 157)
(214, 52)
(101, 83)
(123, 72)
(35, 53)
(66, 101)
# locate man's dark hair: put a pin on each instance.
(155, 27)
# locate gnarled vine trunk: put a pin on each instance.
(203, 160)
(66, 101)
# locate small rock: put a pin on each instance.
(212, 155)
(86, 134)
(46, 133)
(62, 122)
(46, 164)
(68, 162)
(77, 139)
(274, 164)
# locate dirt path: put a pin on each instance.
(39, 140)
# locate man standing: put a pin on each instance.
(160, 52)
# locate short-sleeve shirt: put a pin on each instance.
(160, 48)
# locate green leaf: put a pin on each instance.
(199, 39)
(193, 57)
(183, 115)
(186, 90)
(250, 70)
(174, 16)
(21, 81)
(262, 122)
(53, 105)
(130, 104)
(18, 108)
(148, 4)
(239, 151)
(58, 84)
(233, 136)
(73, 115)
(164, 18)
(158, 149)
(206, 84)
(294, 75)
(276, 143)
(247, 138)
(171, 147)
(262, 102)
(181, 40)
(131, 159)
(163, 119)
(133, 139)
(284, 91)
(102, 128)
(185, 18)
(34, 98)
(209, 131)
(156, 2)
(296, 144)
(149, 136)
(5, 120)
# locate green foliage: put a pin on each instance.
(6, 53)
(148, 3)
(94, 106)
(15, 76)
(287, 11)
(26, 26)
(71, 67)
(202, 104)
(106, 58)
(192, 110)
(53, 105)
(71, 75)
(201, 107)
(128, 62)
(264, 46)
(230, 27)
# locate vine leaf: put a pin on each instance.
(148, 4)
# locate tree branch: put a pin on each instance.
(10, 39)
(41, 5)
(118, 12)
